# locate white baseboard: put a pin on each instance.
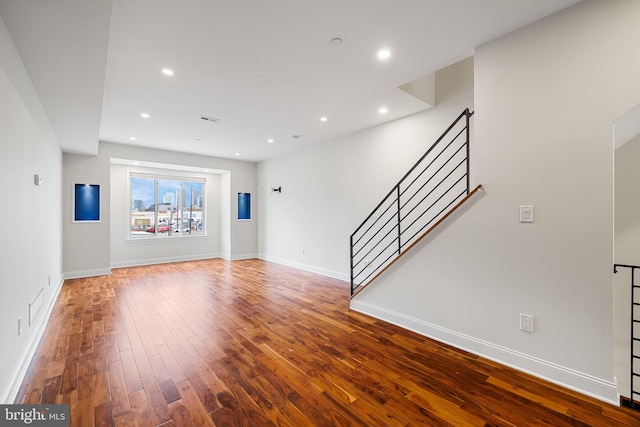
(163, 260)
(79, 274)
(306, 267)
(239, 257)
(566, 377)
(11, 392)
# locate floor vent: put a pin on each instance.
(35, 306)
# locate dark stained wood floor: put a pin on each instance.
(250, 343)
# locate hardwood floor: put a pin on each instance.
(250, 343)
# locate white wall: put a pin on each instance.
(92, 249)
(627, 206)
(31, 254)
(86, 251)
(329, 189)
(546, 98)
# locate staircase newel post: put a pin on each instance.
(468, 115)
(351, 258)
(399, 219)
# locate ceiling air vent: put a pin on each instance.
(209, 119)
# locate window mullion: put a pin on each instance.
(156, 208)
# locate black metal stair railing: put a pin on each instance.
(633, 400)
(433, 185)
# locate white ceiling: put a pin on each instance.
(266, 69)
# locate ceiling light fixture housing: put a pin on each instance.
(167, 72)
(209, 119)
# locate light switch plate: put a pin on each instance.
(526, 213)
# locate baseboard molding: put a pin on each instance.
(163, 260)
(240, 257)
(566, 377)
(87, 273)
(11, 392)
(306, 267)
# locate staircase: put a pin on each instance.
(432, 190)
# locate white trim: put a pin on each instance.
(310, 268)
(79, 274)
(583, 383)
(164, 260)
(239, 257)
(15, 382)
(156, 176)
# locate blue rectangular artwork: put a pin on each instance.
(244, 206)
(86, 202)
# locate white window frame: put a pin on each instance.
(182, 179)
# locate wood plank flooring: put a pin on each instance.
(251, 343)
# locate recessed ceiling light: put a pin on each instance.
(336, 41)
(384, 54)
(270, 140)
(136, 163)
(145, 115)
(167, 72)
(237, 154)
(383, 110)
(132, 138)
(323, 119)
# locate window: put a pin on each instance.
(166, 207)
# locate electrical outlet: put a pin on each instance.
(526, 322)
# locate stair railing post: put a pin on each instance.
(468, 151)
(399, 219)
(351, 260)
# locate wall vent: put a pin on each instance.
(210, 119)
(35, 306)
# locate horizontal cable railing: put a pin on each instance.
(438, 181)
(633, 401)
